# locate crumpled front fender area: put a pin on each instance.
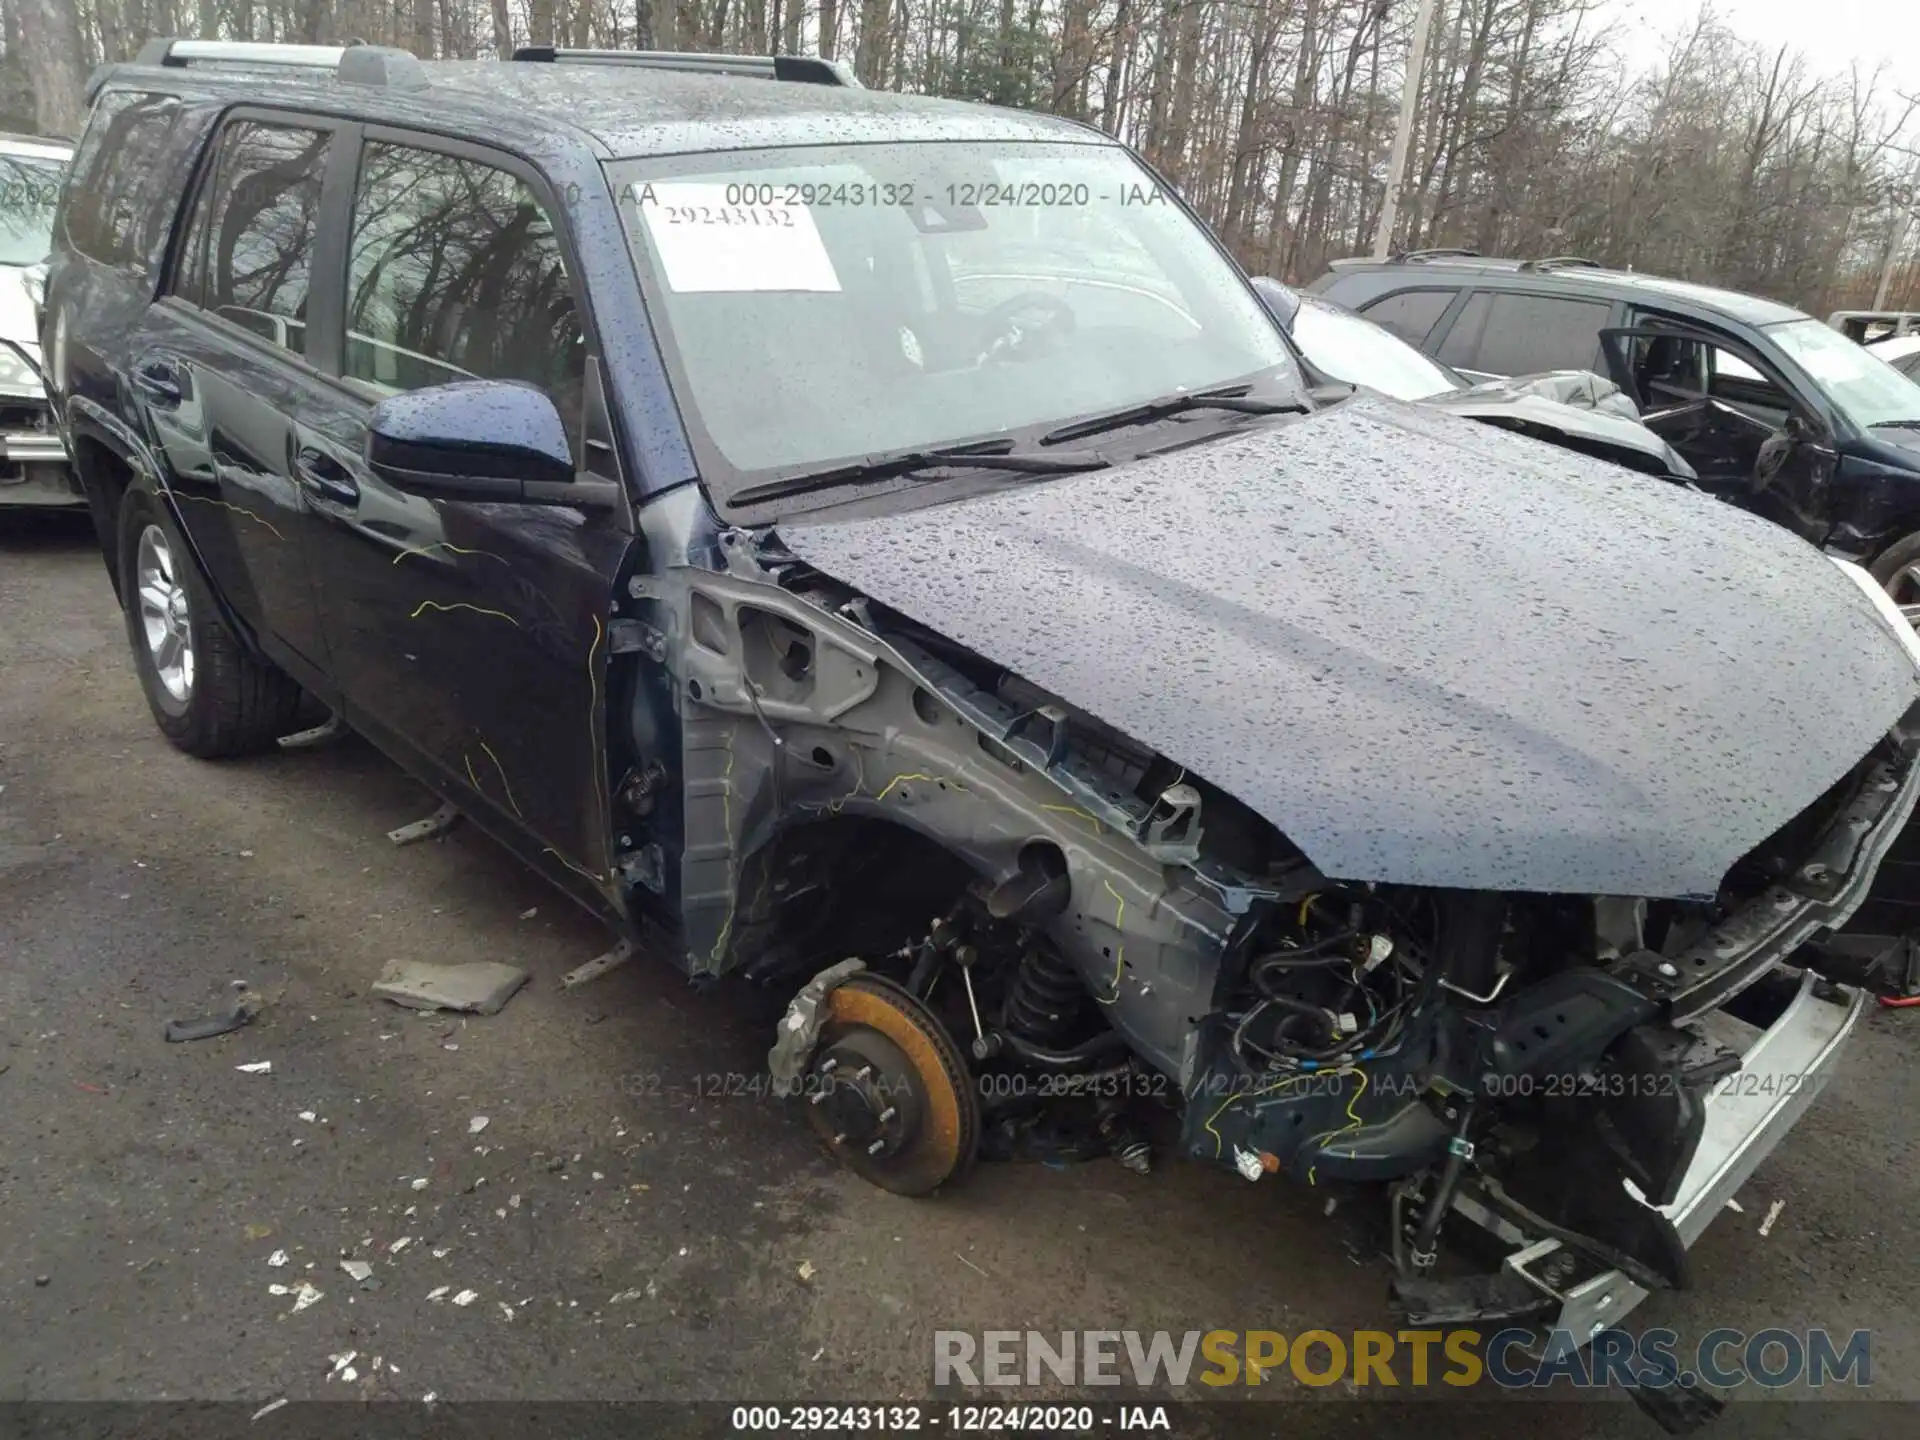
(801, 727)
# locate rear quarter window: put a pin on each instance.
(1498, 333)
(118, 201)
(1410, 314)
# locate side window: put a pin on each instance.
(248, 250)
(1910, 367)
(455, 272)
(1410, 314)
(1526, 334)
(115, 208)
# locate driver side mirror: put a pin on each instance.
(480, 440)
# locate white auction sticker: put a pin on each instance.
(707, 245)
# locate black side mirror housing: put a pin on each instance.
(480, 440)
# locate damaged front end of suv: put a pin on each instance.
(1178, 782)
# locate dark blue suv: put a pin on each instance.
(883, 548)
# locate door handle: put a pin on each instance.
(324, 477)
(159, 382)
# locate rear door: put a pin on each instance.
(1498, 334)
(470, 635)
(225, 360)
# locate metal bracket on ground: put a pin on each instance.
(438, 823)
(332, 729)
(598, 966)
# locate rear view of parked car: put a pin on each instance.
(33, 461)
(915, 575)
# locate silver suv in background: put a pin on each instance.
(33, 461)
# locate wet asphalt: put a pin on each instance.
(633, 1222)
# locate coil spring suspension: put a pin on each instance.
(1045, 998)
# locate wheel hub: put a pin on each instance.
(165, 620)
(864, 1087)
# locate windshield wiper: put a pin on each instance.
(1895, 424)
(913, 464)
(1227, 397)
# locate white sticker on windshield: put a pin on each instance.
(707, 245)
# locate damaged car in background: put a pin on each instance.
(916, 575)
(1575, 409)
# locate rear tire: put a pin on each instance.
(207, 694)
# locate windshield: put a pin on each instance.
(828, 304)
(29, 186)
(1361, 353)
(1862, 386)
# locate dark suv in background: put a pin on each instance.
(882, 547)
(1778, 413)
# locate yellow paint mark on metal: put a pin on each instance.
(472, 779)
(1219, 1141)
(226, 505)
(1076, 811)
(593, 725)
(1120, 951)
(448, 545)
(596, 879)
(426, 605)
(502, 770)
(930, 779)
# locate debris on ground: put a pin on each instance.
(481, 986)
(530, 912)
(256, 1067)
(969, 1264)
(42, 1281)
(258, 1232)
(277, 1259)
(357, 1269)
(208, 1026)
(506, 1309)
(807, 1270)
(476, 1124)
(625, 1295)
(343, 1365)
(466, 1297)
(1773, 1214)
(269, 1407)
(397, 1246)
(438, 1293)
(308, 1116)
(420, 1183)
(303, 1296)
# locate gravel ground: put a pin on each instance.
(626, 1233)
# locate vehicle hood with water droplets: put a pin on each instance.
(1428, 652)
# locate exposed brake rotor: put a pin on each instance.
(888, 1090)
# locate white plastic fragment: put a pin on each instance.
(466, 1297)
(506, 1309)
(421, 1183)
(356, 1269)
(256, 1067)
(397, 1246)
(269, 1407)
(278, 1290)
(1773, 1214)
(476, 1124)
(625, 1295)
(438, 1293)
(305, 1295)
(277, 1259)
(308, 1116)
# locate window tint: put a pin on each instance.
(455, 272)
(118, 206)
(1504, 334)
(250, 240)
(1410, 314)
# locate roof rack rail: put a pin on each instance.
(378, 65)
(1559, 262)
(801, 69)
(1443, 252)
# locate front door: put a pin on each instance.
(221, 365)
(472, 635)
(1728, 410)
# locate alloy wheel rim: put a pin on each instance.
(164, 617)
